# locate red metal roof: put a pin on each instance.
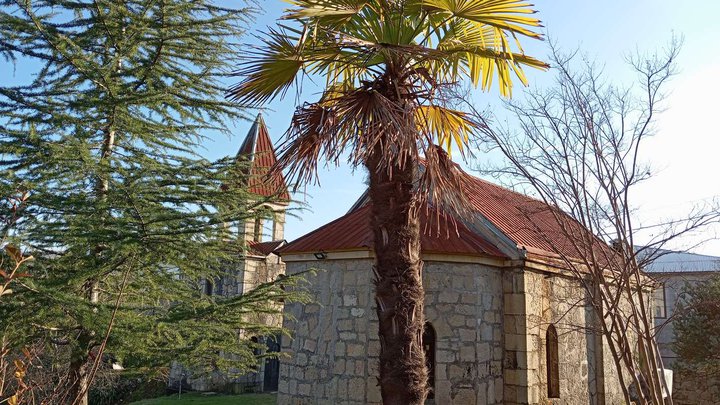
(528, 222)
(352, 232)
(264, 248)
(258, 149)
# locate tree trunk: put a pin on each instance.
(78, 377)
(80, 369)
(399, 291)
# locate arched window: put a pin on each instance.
(265, 224)
(271, 376)
(553, 362)
(428, 342)
(255, 348)
(268, 226)
(258, 229)
(255, 345)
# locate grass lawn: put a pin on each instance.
(199, 399)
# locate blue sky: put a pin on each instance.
(684, 153)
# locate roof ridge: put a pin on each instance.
(502, 218)
(441, 233)
(250, 141)
(490, 183)
(503, 188)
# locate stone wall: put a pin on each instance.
(330, 339)
(464, 304)
(491, 328)
(533, 301)
(260, 270)
(252, 272)
(333, 354)
(180, 376)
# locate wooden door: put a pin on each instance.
(272, 365)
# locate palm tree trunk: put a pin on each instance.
(399, 291)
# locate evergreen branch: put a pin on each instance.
(68, 58)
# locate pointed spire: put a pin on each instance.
(257, 148)
(248, 146)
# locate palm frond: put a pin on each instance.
(310, 137)
(446, 127)
(270, 71)
(385, 63)
(356, 122)
(442, 184)
(481, 53)
(507, 15)
(324, 12)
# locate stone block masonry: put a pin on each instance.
(333, 354)
(533, 301)
(490, 323)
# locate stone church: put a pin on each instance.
(506, 322)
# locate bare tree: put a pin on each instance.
(577, 147)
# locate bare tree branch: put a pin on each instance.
(577, 147)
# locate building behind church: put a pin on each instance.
(674, 271)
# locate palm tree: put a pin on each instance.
(388, 65)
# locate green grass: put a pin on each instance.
(199, 399)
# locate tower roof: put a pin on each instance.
(257, 149)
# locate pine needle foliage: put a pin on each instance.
(697, 328)
(122, 215)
